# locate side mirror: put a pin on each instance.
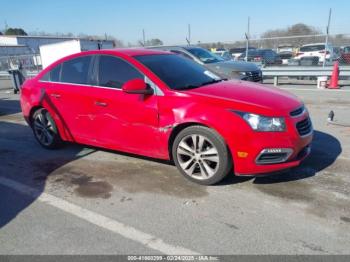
(137, 86)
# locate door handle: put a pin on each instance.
(101, 104)
(56, 95)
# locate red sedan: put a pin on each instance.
(160, 105)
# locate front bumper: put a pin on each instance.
(253, 76)
(269, 152)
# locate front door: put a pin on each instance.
(127, 122)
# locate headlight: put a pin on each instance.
(263, 123)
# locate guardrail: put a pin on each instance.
(279, 71)
(28, 74)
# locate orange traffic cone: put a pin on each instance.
(333, 84)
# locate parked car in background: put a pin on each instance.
(263, 56)
(317, 53)
(345, 55)
(237, 52)
(160, 105)
(337, 53)
(226, 69)
(224, 54)
(285, 56)
(286, 48)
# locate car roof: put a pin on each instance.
(166, 47)
(135, 51)
(125, 51)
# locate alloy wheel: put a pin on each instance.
(198, 157)
(43, 128)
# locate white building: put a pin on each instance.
(33, 43)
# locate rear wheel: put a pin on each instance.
(201, 155)
(45, 129)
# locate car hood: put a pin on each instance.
(242, 95)
(240, 66)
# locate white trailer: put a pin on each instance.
(52, 52)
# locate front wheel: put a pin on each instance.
(45, 129)
(201, 155)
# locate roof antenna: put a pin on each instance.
(188, 39)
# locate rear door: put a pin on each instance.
(71, 100)
(127, 122)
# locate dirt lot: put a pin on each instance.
(81, 200)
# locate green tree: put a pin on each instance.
(154, 42)
(15, 31)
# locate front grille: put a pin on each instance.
(304, 127)
(254, 76)
(297, 112)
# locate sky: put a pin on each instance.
(211, 21)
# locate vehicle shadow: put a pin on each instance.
(25, 162)
(325, 150)
(9, 107)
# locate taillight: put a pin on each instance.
(258, 58)
(298, 54)
(322, 52)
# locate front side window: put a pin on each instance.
(114, 72)
(76, 71)
(177, 72)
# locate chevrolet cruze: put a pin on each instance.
(160, 105)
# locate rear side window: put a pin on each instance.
(76, 71)
(311, 48)
(53, 75)
(114, 72)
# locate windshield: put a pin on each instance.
(177, 72)
(311, 48)
(204, 55)
(251, 53)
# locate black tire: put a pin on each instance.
(199, 154)
(43, 125)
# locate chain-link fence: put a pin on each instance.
(29, 63)
(303, 50)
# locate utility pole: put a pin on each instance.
(144, 37)
(247, 35)
(188, 38)
(6, 26)
(327, 36)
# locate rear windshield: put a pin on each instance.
(311, 48)
(177, 72)
(237, 50)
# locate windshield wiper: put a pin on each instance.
(203, 84)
